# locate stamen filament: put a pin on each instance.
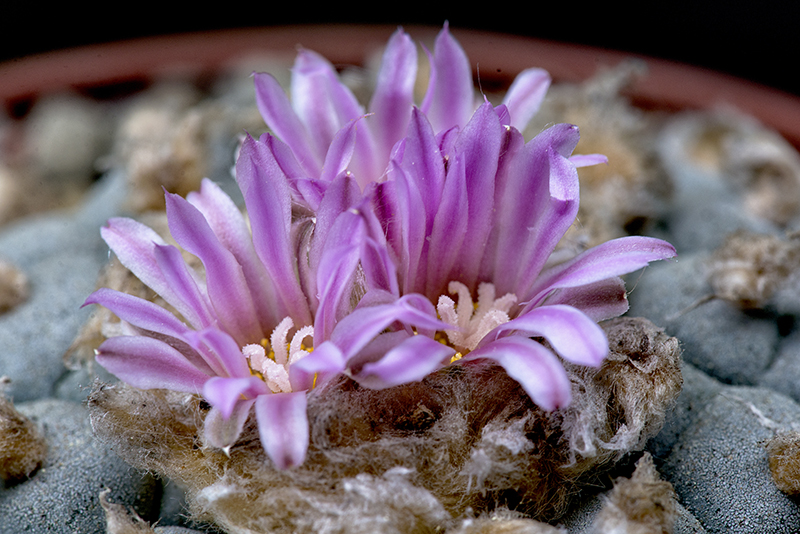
(273, 366)
(278, 339)
(473, 320)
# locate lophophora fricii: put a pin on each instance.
(386, 340)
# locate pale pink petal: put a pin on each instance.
(479, 144)
(411, 361)
(337, 266)
(227, 287)
(525, 96)
(340, 195)
(449, 230)
(394, 92)
(185, 283)
(147, 363)
(453, 99)
(277, 111)
(311, 192)
(325, 105)
(556, 217)
(587, 160)
(220, 351)
(612, 258)
(407, 229)
(600, 301)
(423, 163)
(572, 334)
(538, 192)
(325, 362)
(377, 264)
(228, 224)
(359, 327)
(283, 427)
(268, 198)
(139, 312)
(340, 152)
(134, 245)
(532, 365)
(225, 393)
(503, 115)
(222, 432)
(287, 167)
(152, 321)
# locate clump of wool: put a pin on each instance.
(14, 287)
(22, 445)
(783, 452)
(748, 268)
(641, 504)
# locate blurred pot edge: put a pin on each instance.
(496, 57)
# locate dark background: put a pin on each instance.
(753, 40)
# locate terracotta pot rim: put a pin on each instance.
(498, 57)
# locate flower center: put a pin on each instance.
(273, 366)
(473, 320)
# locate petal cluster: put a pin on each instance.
(254, 289)
(321, 120)
(464, 200)
(360, 224)
(475, 210)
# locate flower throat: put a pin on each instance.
(473, 320)
(273, 366)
